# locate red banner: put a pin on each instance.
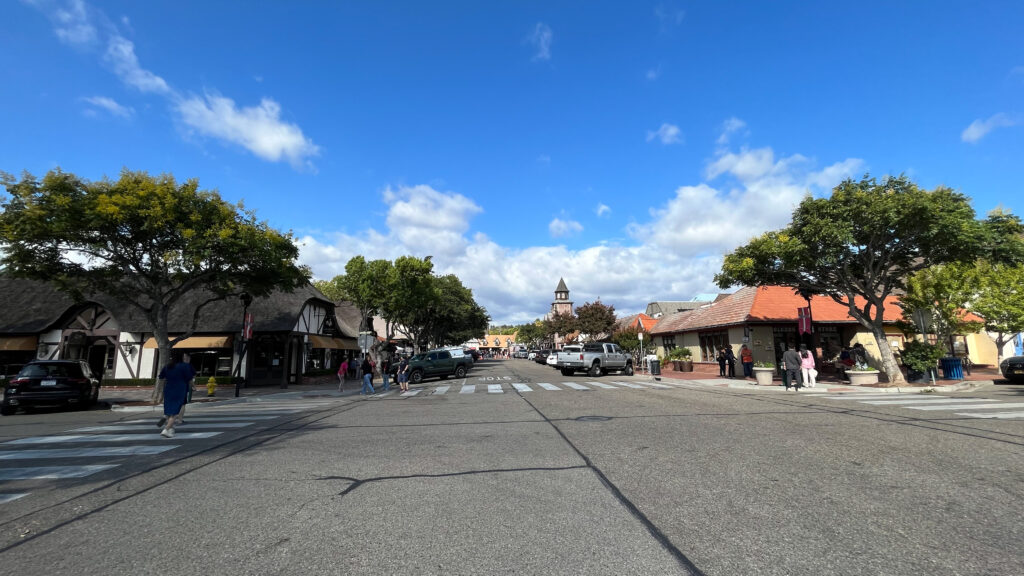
(247, 327)
(804, 320)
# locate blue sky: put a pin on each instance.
(623, 146)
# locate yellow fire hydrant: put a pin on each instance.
(211, 386)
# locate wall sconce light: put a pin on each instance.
(129, 348)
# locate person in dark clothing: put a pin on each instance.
(791, 363)
(721, 361)
(730, 359)
(367, 370)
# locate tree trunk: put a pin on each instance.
(889, 365)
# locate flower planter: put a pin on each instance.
(764, 375)
(676, 366)
(687, 365)
(862, 377)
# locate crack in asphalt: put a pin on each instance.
(358, 482)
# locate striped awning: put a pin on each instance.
(21, 343)
(197, 342)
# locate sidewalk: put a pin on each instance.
(829, 383)
(138, 399)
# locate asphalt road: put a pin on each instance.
(685, 479)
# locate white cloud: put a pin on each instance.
(121, 56)
(679, 245)
(980, 128)
(559, 228)
(71, 22)
(667, 134)
(668, 14)
(110, 106)
(540, 39)
(602, 209)
(258, 129)
(730, 127)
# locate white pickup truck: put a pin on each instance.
(596, 358)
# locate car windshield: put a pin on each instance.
(49, 370)
(417, 358)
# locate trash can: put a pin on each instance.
(785, 378)
(655, 367)
(952, 368)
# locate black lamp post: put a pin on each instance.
(246, 299)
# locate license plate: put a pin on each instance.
(48, 383)
(1018, 371)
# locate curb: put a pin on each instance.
(835, 387)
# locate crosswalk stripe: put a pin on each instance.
(86, 452)
(601, 385)
(522, 387)
(217, 418)
(441, 390)
(926, 400)
(191, 423)
(656, 385)
(575, 386)
(627, 384)
(5, 498)
(110, 438)
(494, 389)
(53, 472)
(468, 389)
(410, 393)
(1000, 415)
(547, 386)
(969, 406)
(856, 396)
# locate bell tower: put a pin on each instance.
(562, 304)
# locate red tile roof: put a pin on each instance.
(764, 304)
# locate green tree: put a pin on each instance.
(530, 334)
(147, 241)
(629, 340)
(862, 242)
(1000, 301)
(409, 290)
(942, 294)
(364, 284)
(1004, 238)
(595, 319)
(560, 323)
(454, 317)
(330, 289)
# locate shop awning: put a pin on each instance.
(195, 342)
(21, 343)
(333, 343)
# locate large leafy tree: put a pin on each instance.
(595, 319)
(1000, 300)
(560, 323)
(365, 284)
(629, 340)
(145, 240)
(941, 295)
(530, 334)
(859, 246)
(454, 316)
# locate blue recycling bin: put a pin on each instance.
(952, 368)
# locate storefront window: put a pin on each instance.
(669, 342)
(710, 342)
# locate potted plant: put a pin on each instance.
(862, 375)
(764, 372)
(686, 359)
(920, 359)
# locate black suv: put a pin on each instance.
(51, 383)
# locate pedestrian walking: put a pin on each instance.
(791, 364)
(367, 369)
(721, 361)
(403, 374)
(177, 377)
(342, 374)
(385, 366)
(807, 367)
(747, 359)
(730, 359)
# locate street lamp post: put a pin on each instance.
(246, 299)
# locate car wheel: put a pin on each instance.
(8, 410)
(628, 370)
(460, 371)
(595, 370)
(416, 377)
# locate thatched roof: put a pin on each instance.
(27, 306)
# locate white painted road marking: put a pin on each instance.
(190, 423)
(494, 389)
(5, 498)
(111, 438)
(410, 393)
(547, 386)
(440, 389)
(522, 387)
(52, 472)
(217, 418)
(969, 406)
(1000, 415)
(933, 400)
(575, 386)
(601, 385)
(628, 384)
(468, 389)
(86, 452)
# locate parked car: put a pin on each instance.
(1013, 368)
(440, 363)
(475, 354)
(541, 356)
(51, 383)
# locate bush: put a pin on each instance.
(763, 364)
(678, 354)
(921, 356)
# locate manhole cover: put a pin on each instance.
(593, 418)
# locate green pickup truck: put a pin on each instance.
(439, 363)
